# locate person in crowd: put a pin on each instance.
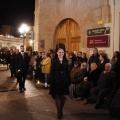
(69, 61)
(59, 79)
(78, 78)
(46, 64)
(113, 61)
(116, 69)
(94, 57)
(14, 62)
(35, 66)
(7, 58)
(104, 86)
(22, 65)
(42, 76)
(73, 57)
(32, 63)
(73, 72)
(84, 58)
(102, 61)
(11, 64)
(38, 65)
(89, 81)
(79, 57)
(52, 55)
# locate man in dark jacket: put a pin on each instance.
(22, 65)
(105, 85)
(94, 58)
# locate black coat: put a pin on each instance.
(59, 77)
(94, 58)
(116, 69)
(93, 76)
(59, 72)
(21, 63)
(107, 80)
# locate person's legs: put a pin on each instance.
(11, 71)
(71, 90)
(101, 95)
(60, 102)
(63, 100)
(58, 105)
(23, 81)
(19, 78)
(46, 80)
(94, 92)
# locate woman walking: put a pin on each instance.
(59, 79)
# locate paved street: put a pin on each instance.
(36, 104)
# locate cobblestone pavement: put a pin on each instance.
(36, 104)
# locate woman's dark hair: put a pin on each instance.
(104, 56)
(118, 56)
(60, 45)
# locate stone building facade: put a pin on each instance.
(7, 42)
(54, 17)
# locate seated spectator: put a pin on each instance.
(73, 72)
(89, 81)
(105, 85)
(77, 79)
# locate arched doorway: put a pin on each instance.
(68, 32)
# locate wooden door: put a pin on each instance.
(68, 32)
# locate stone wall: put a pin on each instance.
(49, 13)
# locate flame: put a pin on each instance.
(38, 82)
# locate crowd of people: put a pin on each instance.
(89, 79)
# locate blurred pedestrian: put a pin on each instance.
(22, 65)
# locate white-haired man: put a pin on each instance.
(105, 85)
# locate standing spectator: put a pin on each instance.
(79, 57)
(84, 58)
(10, 62)
(59, 79)
(22, 65)
(73, 57)
(103, 60)
(46, 64)
(69, 61)
(14, 62)
(94, 57)
(116, 69)
(113, 61)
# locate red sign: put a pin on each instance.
(98, 41)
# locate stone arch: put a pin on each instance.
(68, 32)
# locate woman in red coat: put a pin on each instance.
(59, 78)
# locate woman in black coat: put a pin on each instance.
(59, 78)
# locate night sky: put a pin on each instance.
(16, 12)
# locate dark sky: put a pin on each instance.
(16, 12)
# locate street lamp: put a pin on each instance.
(23, 30)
